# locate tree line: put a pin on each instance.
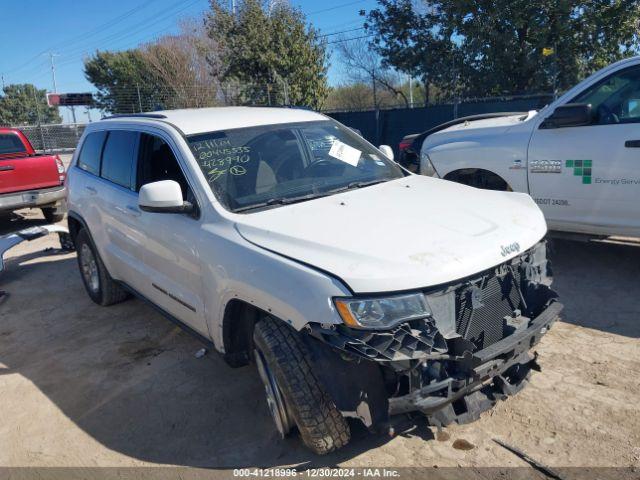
(405, 50)
(497, 47)
(254, 55)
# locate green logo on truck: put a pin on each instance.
(581, 168)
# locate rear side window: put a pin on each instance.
(10, 143)
(118, 158)
(89, 158)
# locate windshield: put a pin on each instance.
(261, 167)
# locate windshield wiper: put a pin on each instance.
(309, 196)
(282, 201)
(365, 184)
(354, 185)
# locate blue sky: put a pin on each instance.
(73, 29)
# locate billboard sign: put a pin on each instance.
(69, 99)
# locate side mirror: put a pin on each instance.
(164, 196)
(388, 152)
(569, 115)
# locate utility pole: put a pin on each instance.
(35, 99)
(410, 91)
(139, 98)
(2, 76)
(53, 71)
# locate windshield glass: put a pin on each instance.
(260, 167)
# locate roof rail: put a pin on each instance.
(136, 115)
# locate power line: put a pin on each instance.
(105, 26)
(343, 40)
(72, 55)
(336, 7)
(164, 15)
(108, 24)
(338, 33)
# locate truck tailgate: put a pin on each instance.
(28, 173)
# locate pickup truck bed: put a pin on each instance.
(28, 179)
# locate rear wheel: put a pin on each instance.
(295, 396)
(52, 214)
(99, 285)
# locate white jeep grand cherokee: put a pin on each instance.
(281, 237)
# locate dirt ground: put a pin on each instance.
(85, 386)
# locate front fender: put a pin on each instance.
(284, 288)
(504, 154)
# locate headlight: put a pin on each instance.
(426, 166)
(382, 312)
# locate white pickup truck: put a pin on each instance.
(579, 157)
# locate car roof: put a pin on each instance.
(199, 120)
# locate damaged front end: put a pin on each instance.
(472, 350)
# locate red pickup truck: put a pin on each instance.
(28, 179)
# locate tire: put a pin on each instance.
(283, 355)
(52, 214)
(102, 289)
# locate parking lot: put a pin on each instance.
(82, 385)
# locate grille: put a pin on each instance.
(483, 304)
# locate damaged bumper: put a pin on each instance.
(484, 377)
(12, 239)
(471, 351)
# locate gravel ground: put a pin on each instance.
(86, 386)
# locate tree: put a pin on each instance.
(416, 41)
(272, 56)
(358, 96)
(124, 81)
(363, 65)
(495, 47)
(21, 104)
(182, 64)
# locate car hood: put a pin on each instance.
(409, 233)
(506, 121)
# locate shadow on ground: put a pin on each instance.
(599, 284)
(129, 378)
(13, 222)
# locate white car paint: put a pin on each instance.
(371, 241)
(512, 146)
(291, 260)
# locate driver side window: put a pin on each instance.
(156, 162)
(616, 99)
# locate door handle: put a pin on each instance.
(5, 168)
(91, 190)
(632, 144)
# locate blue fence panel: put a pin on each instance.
(387, 127)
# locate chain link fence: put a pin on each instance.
(388, 126)
(146, 98)
(381, 126)
(54, 138)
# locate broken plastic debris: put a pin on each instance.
(201, 353)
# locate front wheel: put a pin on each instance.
(295, 396)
